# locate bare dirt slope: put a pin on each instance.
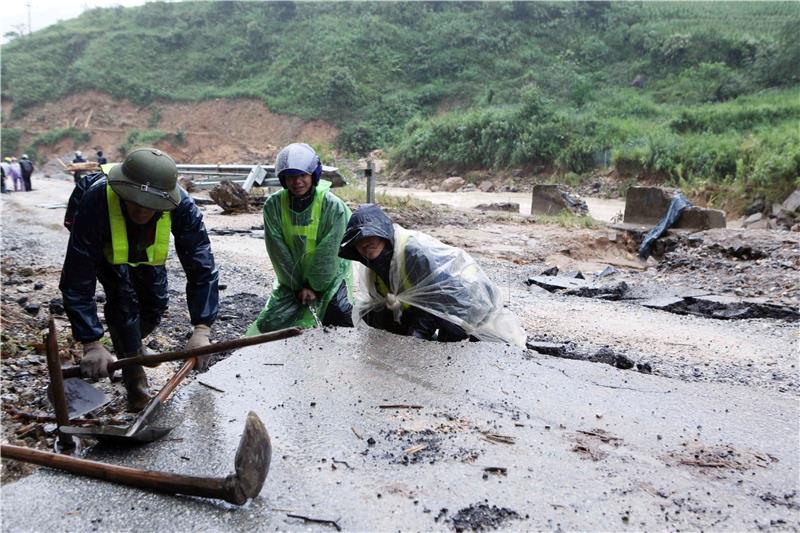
(227, 131)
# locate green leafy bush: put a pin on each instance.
(11, 137)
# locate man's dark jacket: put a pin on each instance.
(90, 231)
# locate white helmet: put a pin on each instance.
(298, 158)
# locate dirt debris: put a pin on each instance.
(719, 456)
(590, 443)
(480, 517)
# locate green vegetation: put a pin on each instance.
(459, 86)
(146, 137)
(150, 138)
(51, 137)
(566, 219)
(10, 141)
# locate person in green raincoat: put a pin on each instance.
(303, 226)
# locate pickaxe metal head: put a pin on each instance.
(252, 462)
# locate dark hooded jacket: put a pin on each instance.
(90, 230)
(370, 221)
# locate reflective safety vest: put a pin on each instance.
(309, 232)
(116, 252)
(381, 286)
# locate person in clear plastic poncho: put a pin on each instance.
(303, 226)
(415, 285)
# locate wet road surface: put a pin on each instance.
(488, 436)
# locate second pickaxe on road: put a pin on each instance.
(75, 397)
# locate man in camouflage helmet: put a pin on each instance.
(120, 221)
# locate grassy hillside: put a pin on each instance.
(465, 85)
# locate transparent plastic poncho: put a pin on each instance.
(443, 281)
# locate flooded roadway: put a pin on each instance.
(603, 209)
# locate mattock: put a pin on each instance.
(251, 466)
(73, 397)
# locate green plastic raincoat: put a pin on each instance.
(303, 248)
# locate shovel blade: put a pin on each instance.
(81, 397)
(118, 434)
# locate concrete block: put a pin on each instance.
(701, 218)
(648, 205)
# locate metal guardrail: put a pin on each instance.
(256, 175)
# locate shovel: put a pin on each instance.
(140, 431)
(251, 466)
(83, 398)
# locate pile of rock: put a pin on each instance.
(551, 199)
(781, 216)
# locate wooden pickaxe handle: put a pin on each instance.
(217, 488)
(75, 371)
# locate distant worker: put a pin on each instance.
(26, 165)
(101, 160)
(303, 226)
(5, 168)
(415, 285)
(78, 159)
(120, 231)
(16, 175)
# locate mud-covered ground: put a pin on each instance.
(759, 352)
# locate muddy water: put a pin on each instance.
(603, 209)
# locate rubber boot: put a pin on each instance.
(136, 384)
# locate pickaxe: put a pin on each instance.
(251, 466)
(73, 397)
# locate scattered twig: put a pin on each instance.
(334, 461)
(212, 387)
(710, 464)
(399, 406)
(600, 434)
(500, 470)
(629, 388)
(356, 433)
(316, 520)
(273, 364)
(29, 429)
(415, 449)
(494, 437)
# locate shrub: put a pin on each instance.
(11, 137)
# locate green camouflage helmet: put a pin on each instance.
(148, 177)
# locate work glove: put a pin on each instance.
(199, 339)
(95, 360)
